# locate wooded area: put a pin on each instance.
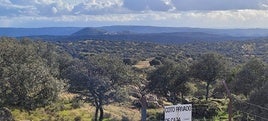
(35, 74)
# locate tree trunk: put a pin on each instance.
(96, 113)
(101, 108)
(143, 114)
(101, 113)
(181, 98)
(143, 102)
(207, 90)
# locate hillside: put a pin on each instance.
(164, 38)
(254, 32)
(164, 35)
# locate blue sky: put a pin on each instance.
(172, 13)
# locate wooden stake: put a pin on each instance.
(230, 112)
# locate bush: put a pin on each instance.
(5, 115)
(207, 109)
(155, 116)
(155, 62)
(28, 74)
(124, 118)
(76, 102)
(77, 118)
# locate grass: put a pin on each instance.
(118, 112)
(63, 110)
(85, 113)
(49, 113)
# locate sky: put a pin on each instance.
(168, 13)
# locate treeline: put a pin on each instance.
(34, 73)
(237, 51)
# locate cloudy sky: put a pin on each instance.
(172, 13)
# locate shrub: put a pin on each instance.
(76, 102)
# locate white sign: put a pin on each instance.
(178, 112)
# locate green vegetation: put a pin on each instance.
(105, 80)
(100, 79)
(169, 81)
(28, 74)
(209, 68)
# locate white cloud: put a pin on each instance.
(5, 1)
(144, 5)
(210, 19)
(264, 4)
(7, 8)
(95, 7)
(54, 10)
(59, 7)
(190, 13)
(185, 5)
(247, 18)
(170, 4)
(5, 22)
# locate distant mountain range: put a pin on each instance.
(135, 33)
(51, 31)
(153, 29)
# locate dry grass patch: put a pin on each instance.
(142, 64)
(118, 112)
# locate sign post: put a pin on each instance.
(230, 112)
(181, 112)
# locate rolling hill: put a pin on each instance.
(167, 35)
